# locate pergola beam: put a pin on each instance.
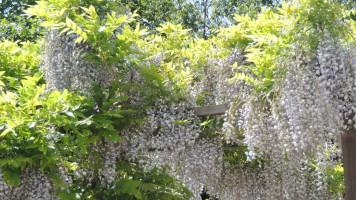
(205, 111)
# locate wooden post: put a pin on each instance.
(349, 157)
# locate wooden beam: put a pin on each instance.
(204, 111)
(349, 160)
(232, 148)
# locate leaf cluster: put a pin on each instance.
(28, 121)
(271, 36)
(181, 56)
(134, 184)
(48, 129)
(18, 60)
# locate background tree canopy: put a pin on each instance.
(14, 24)
(203, 17)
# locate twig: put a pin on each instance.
(107, 66)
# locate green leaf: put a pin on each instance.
(11, 124)
(110, 19)
(64, 195)
(5, 132)
(114, 113)
(131, 184)
(64, 30)
(92, 10)
(130, 187)
(22, 161)
(12, 177)
(5, 161)
(78, 40)
(69, 22)
(114, 137)
(86, 121)
(148, 187)
(57, 181)
(182, 122)
(246, 78)
(136, 193)
(61, 12)
(85, 9)
(70, 32)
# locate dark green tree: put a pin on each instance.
(15, 25)
(203, 17)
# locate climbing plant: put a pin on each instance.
(101, 110)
